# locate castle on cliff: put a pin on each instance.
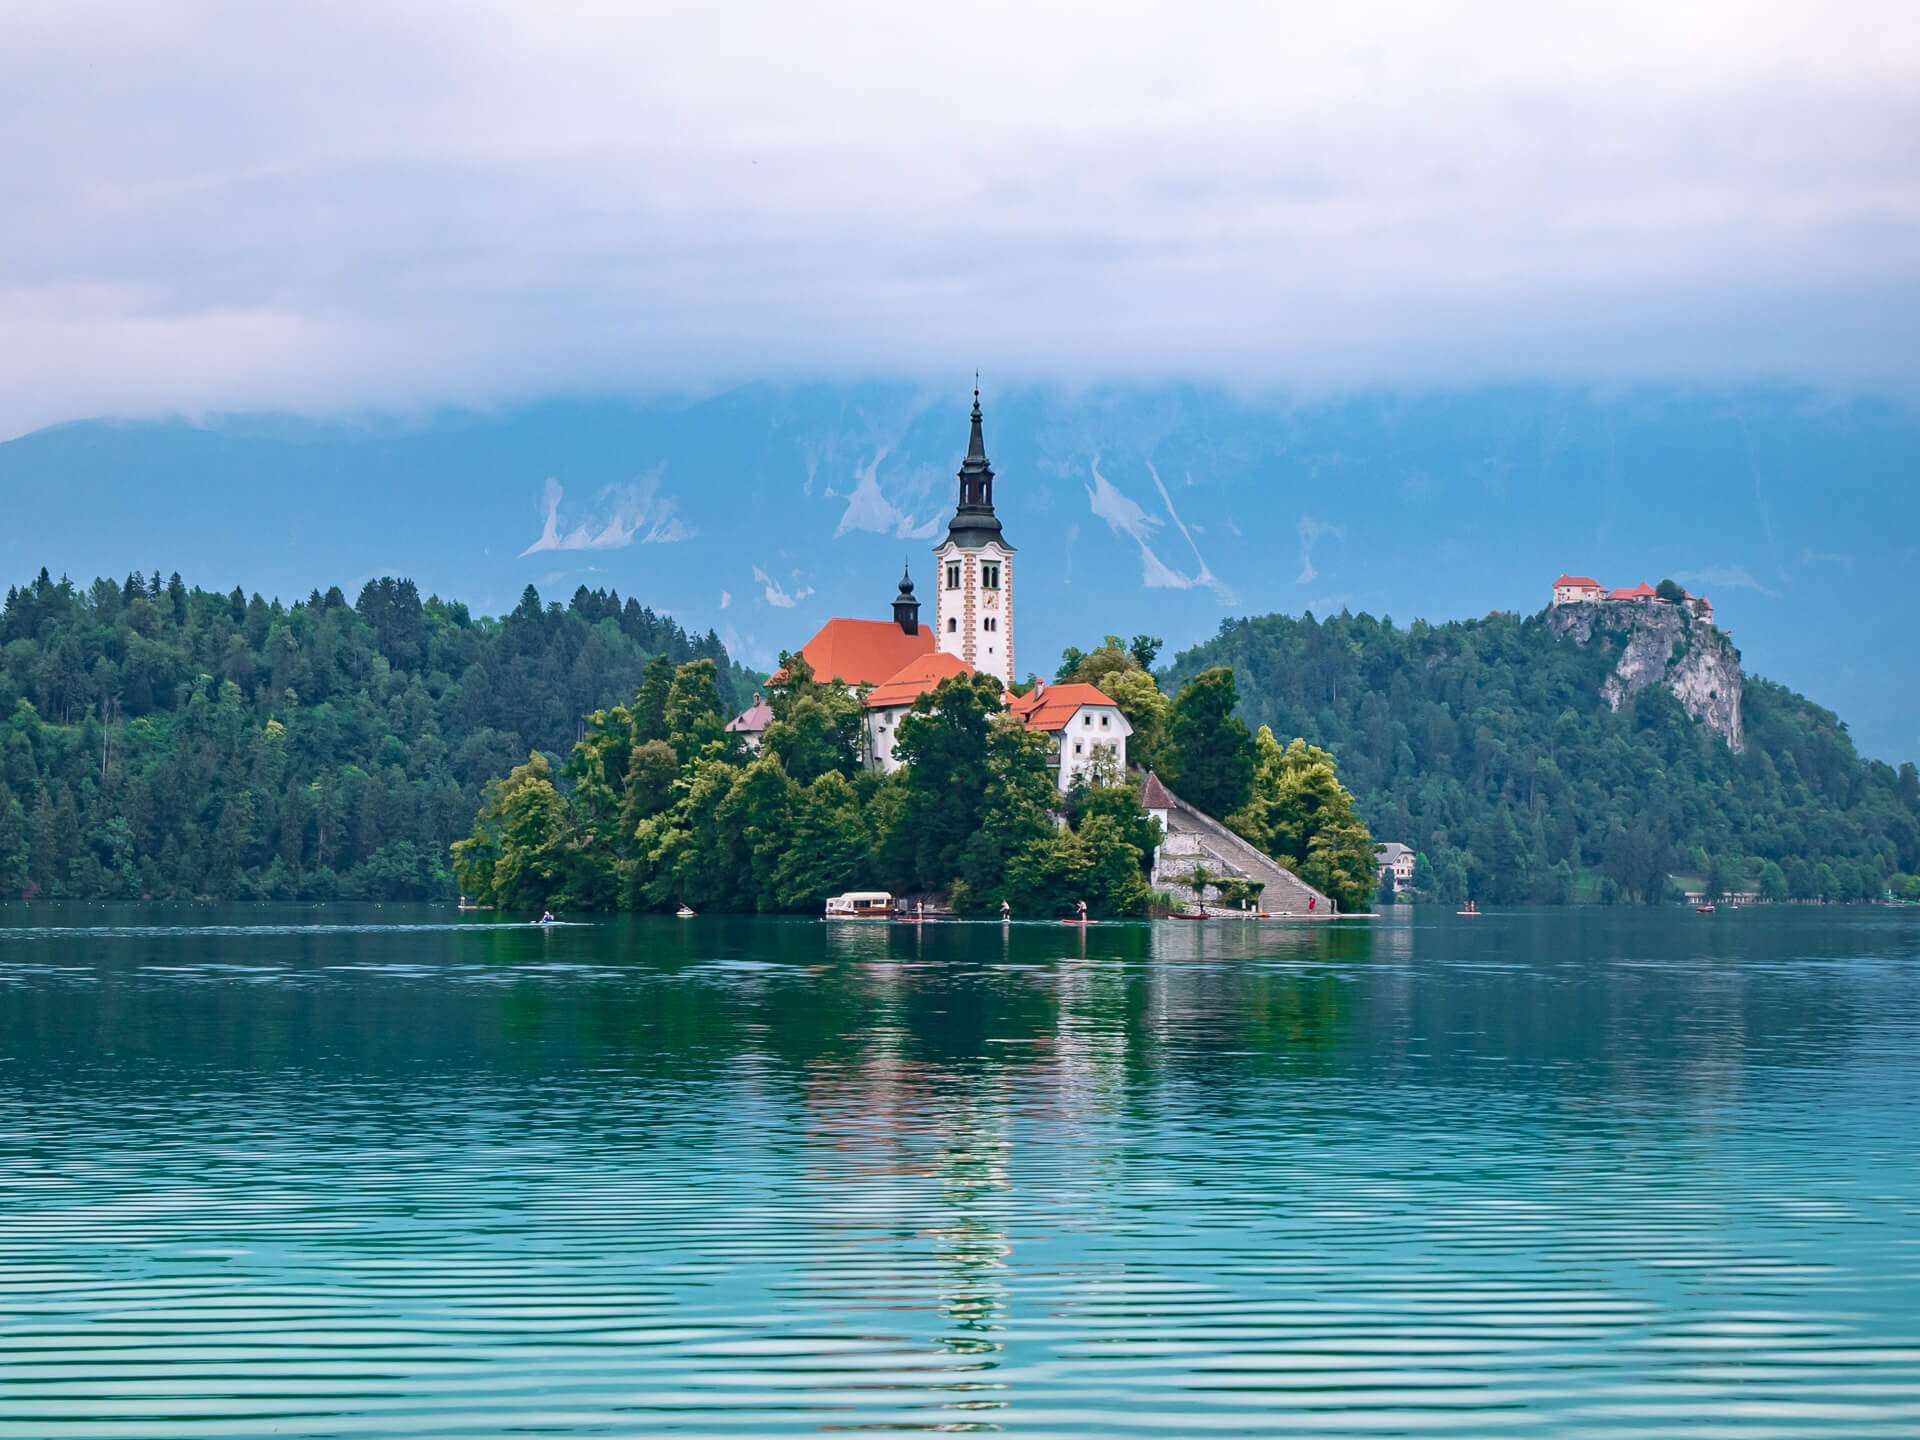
(1581, 590)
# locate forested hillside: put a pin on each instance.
(172, 742)
(1486, 746)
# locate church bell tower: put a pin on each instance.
(973, 604)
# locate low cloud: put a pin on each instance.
(1724, 577)
(726, 598)
(776, 594)
(1312, 532)
(1340, 195)
(620, 515)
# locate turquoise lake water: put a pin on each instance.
(382, 1171)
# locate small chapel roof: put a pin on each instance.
(1154, 795)
(1642, 591)
(752, 720)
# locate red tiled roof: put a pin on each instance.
(861, 652)
(1052, 707)
(1153, 795)
(1576, 580)
(915, 679)
(1642, 591)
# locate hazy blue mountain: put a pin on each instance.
(763, 510)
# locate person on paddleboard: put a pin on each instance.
(1006, 911)
(1080, 911)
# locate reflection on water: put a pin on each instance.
(339, 1171)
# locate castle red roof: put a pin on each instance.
(1580, 580)
(1642, 591)
(861, 652)
(1051, 707)
(916, 678)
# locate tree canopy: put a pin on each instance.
(162, 741)
(705, 822)
(1486, 746)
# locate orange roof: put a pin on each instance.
(1642, 591)
(1579, 580)
(862, 652)
(916, 678)
(1051, 708)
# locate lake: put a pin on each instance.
(388, 1171)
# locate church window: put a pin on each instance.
(1078, 748)
(989, 574)
(953, 624)
(953, 575)
(991, 623)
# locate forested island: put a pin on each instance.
(658, 806)
(172, 742)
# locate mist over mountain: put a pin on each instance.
(760, 511)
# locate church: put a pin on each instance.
(896, 661)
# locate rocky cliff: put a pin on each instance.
(1661, 644)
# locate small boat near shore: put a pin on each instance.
(861, 905)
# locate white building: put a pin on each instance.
(1088, 731)
(1395, 857)
(751, 723)
(973, 608)
(889, 702)
(1573, 589)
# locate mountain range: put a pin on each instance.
(760, 511)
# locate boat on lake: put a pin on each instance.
(861, 905)
(1471, 909)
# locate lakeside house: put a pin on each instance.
(1397, 859)
(752, 722)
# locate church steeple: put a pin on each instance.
(974, 522)
(906, 607)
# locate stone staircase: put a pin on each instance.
(1194, 838)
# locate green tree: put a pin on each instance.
(816, 728)
(695, 725)
(1300, 813)
(943, 743)
(516, 856)
(827, 849)
(1209, 751)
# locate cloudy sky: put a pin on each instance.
(231, 206)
